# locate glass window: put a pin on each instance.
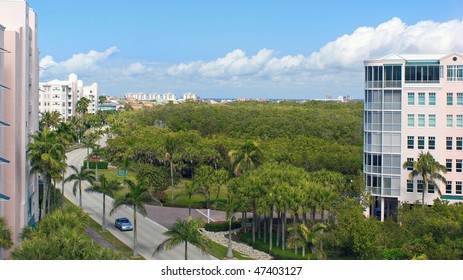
(421, 120)
(431, 188)
(432, 98)
(411, 120)
(432, 120)
(421, 99)
(431, 142)
(448, 143)
(448, 165)
(449, 120)
(419, 186)
(410, 167)
(411, 142)
(458, 187)
(459, 143)
(460, 121)
(411, 98)
(458, 165)
(448, 187)
(460, 98)
(449, 98)
(454, 73)
(421, 142)
(410, 186)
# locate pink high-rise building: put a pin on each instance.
(19, 110)
(413, 103)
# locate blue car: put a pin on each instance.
(123, 224)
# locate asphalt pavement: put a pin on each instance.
(150, 233)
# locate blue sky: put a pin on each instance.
(265, 49)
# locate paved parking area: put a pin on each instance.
(166, 216)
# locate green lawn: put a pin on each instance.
(111, 174)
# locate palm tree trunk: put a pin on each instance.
(135, 249)
(271, 230)
(254, 221)
(62, 192)
(88, 163)
(425, 183)
(96, 170)
(265, 228)
(283, 224)
(278, 229)
(80, 195)
(230, 250)
(294, 225)
(172, 177)
(186, 250)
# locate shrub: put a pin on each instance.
(101, 164)
(221, 226)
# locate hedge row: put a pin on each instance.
(101, 164)
(221, 226)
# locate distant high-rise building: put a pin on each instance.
(19, 79)
(62, 96)
(413, 103)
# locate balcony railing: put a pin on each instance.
(393, 84)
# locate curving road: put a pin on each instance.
(149, 232)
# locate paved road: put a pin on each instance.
(149, 232)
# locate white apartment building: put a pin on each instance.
(62, 96)
(413, 103)
(189, 96)
(158, 97)
(19, 77)
(91, 93)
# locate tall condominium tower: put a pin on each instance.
(413, 103)
(19, 116)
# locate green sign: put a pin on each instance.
(122, 172)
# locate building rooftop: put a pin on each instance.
(413, 57)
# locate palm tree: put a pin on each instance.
(136, 196)
(50, 120)
(82, 108)
(184, 232)
(47, 155)
(246, 158)
(5, 235)
(428, 169)
(189, 189)
(89, 143)
(105, 187)
(96, 152)
(171, 146)
(78, 177)
(302, 236)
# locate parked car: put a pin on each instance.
(123, 224)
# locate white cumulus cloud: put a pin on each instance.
(346, 52)
(84, 63)
(136, 69)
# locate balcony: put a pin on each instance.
(393, 84)
(4, 161)
(373, 84)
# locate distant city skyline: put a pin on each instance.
(236, 49)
